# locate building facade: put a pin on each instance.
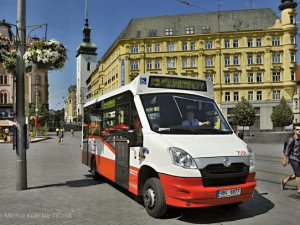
(36, 85)
(246, 53)
(86, 63)
(71, 105)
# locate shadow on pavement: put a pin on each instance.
(226, 213)
(73, 183)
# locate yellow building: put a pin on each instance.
(70, 106)
(247, 53)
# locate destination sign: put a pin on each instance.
(177, 83)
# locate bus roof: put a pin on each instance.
(154, 83)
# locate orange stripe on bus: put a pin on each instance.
(133, 179)
(106, 167)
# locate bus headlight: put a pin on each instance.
(182, 158)
(251, 155)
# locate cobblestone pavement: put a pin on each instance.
(61, 191)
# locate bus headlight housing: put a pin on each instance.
(182, 158)
(251, 155)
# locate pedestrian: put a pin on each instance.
(61, 137)
(292, 156)
(239, 134)
(57, 131)
(72, 132)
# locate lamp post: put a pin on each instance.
(20, 98)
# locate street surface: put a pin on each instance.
(61, 191)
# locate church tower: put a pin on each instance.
(86, 63)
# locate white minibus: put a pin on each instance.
(163, 138)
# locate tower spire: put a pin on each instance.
(86, 13)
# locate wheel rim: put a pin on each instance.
(149, 198)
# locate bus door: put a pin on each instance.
(85, 142)
(122, 144)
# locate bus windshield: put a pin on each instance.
(175, 113)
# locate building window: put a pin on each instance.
(184, 46)
(38, 80)
(250, 95)
(258, 95)
(276, 94)
(157, 47)
(236, 60)
(293, 39)
(149, 48)
(227, 60)
(205, 29)
(149, 64)
(227, 96)
(276, 76)
(138, 34)
(293, 57)
(193, 62)
(171, 47)
(193, 46)
(293, 75)
(227, 78)
(276, 58)
(134, 65)
(259, 77)
(250, 77)
(227, 43)
(209, 61)
(236, 78)
(208, 44)
(250, 59)
(184, 62)
(209, 77)
(276, 41)
(157, 64)
(3, 98)
(189, 30)
(292, 19)
(152, 33)
(259, 59)
(171, 63)
(235, 96)
(235, 43)
(258, 42)
(134, 48)
(169, 31)
(250, 42)
(3, 79)
(88, 66)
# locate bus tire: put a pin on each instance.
(95, 174)
(154, 198)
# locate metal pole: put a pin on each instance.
(20, 97)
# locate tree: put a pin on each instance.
(282, 114)
(79, 117)
(42, 114)
(243, 113)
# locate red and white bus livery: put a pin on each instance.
(164, 138)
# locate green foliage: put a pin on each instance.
(46, 129)
(10, 62)
(42, 114)
(282, 114)
(243, 113)
(79, 117)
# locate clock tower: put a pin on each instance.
(86, 63)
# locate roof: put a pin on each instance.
(223, 21)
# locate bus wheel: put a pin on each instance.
(95, 174)
(154, 198)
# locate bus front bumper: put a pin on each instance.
(190, 192)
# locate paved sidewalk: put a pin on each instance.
(61, 191)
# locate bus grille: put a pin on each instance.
(219, 175)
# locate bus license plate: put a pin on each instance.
(229, 193)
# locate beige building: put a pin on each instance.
(36, 86)
(246, 53)
(70, 105)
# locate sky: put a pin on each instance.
(107, 19)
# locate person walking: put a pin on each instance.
(292, 155)
(72, 132)
(61, 137)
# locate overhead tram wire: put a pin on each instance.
(220, 15)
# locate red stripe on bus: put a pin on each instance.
(105, 142)
(106, 167)
(133, 180)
